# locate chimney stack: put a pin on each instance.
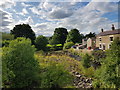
(113, 28)
(102, 30)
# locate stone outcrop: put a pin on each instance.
(81, 81)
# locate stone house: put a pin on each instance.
(91, 43)
(104, 38)
(84, 41)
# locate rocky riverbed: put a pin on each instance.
(81, 81)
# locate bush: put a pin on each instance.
(98, 55)
(55, 76)
(41, 43)
(68, 45)
(19, 59)
(109, 73)
(86, 59)
(89, 72)
(54, 47)
(5, 43)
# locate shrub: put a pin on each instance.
(98, 55)
(109, 72)
(86, 60)
(5, 43)
(54, 47)
(19, 59)
(68, 45)
(55, 76)
(41, 42)
(89, 72)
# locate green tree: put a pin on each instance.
(86, 60)
(74, 36)
(41, 42)
(7, 36)
(55, 76)
(23, 30)
(90, 35)
(59, 36)
(68, 45)
(109, 73)
(19, 59)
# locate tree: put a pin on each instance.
(7, 36)
(55, 76)
(23, 30)
(109, 73)
(19, 60)
(90, 35)
(74, 36)
(59, 37)
(41, 42)
(68, 45)
(86, 60)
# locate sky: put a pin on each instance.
(44, 16)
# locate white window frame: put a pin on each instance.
(111, 36)
(109, 45)
(102, 46)
(99, 45)
(99, 39)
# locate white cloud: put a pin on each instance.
(24, 11)
(65, 14)
(25, 5)
(28, 20)
(89, 18)
(35, 10)
(60, 13)
(5, 20)
(86, 19)
(6, 3)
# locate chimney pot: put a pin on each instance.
(102, 30)
(113, 28)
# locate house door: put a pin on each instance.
(103, 47)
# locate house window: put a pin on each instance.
(103, 47)
(109, 45)
(111, 38)
(100, 46)
(100, 39)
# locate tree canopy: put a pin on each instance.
(90, 35)
(23, 30)
(41, 42)
(59, 37)
(108, 75)
(20, 68)
(74, 36)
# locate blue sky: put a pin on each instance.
(45, 16)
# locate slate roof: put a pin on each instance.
(111, 32)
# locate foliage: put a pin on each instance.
(54, 76)
(23, 30)
(41, 42)
(68, 45)
(7, 36)
(89, 72)
(109, 73)
(59, 45)
(68, 62)
(19, 60)
(5, 43)
(86, 59)
(90, 35)
(74, 36)
(54, 47)
(98, 55)
(59, 37)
